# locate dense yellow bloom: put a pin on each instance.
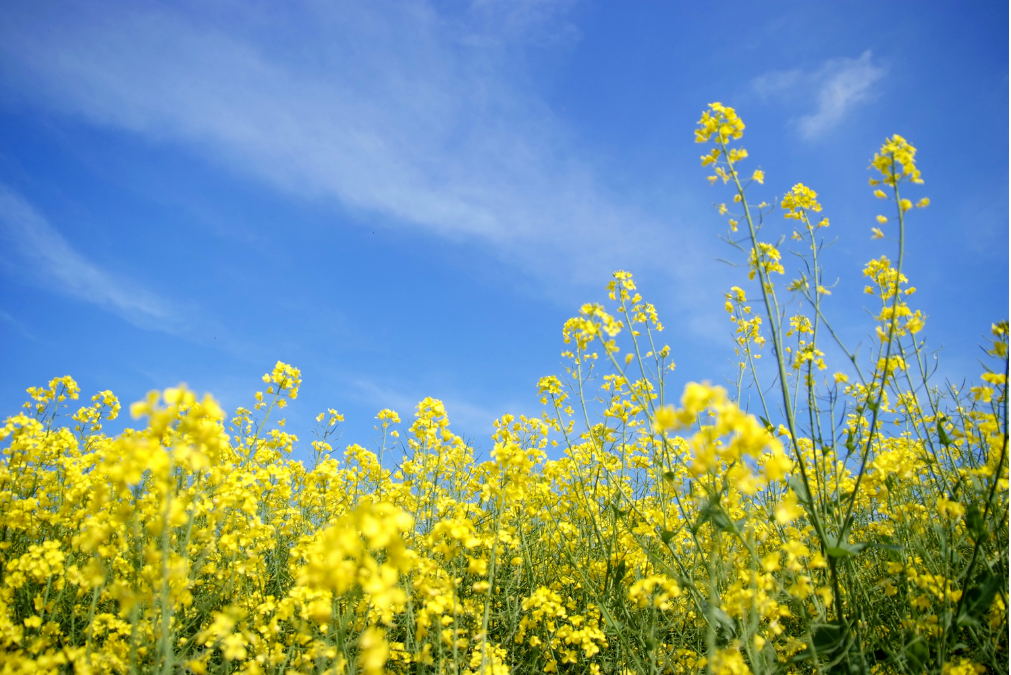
(765, 257)
(798, 201)
(657, 590)
(896, 161)
(963, 666)
(720, 121)
(730, 661)
(611, 532)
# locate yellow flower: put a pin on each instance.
(373, 650)
(234, 647)
(895, 161)
(789, 509)
(882, 220)
(765, 257)
(984, 394)
(799, 200)
(740, 476)
(914, 324)
(876, 233)
(962, 666)
(730, 661)
(721, 121)
(770, 563)
(777, 464)
(666, 418)
(948, 508)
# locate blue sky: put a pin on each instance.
(409, 199)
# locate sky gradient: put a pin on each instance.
(408, 199)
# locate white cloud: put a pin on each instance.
(395, 110)
(835, 89)
(43, 256)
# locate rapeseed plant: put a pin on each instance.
(857, 523)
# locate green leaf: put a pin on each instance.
(770, 656)
(722, 520)
(619, 572)
(669, 476)
(978, 599)
(666, 536)
(941, 434)
(609, 619)
(917, 654)
(714, 513)
(830, 640)
(797, 485)
(850, 445)
(895, 548)
(725, 622)
(975, 523)
(844, 549)
(700, 520)
(828, 637)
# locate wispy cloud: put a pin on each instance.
(19, 326)
(38, 254)
(834, 89)
(391, 109)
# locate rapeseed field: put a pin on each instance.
(854, 520)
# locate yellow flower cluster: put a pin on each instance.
(720, 121)
(799, 200)
(895, 161)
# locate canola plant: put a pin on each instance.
(851, 522)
